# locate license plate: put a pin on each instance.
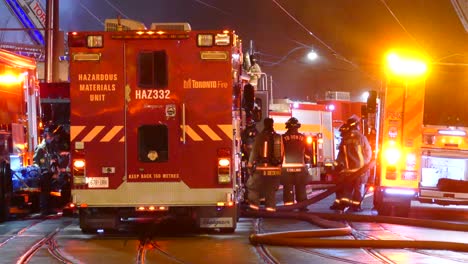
(294, 169)
(98, 182)
(271, 173)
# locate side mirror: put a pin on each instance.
(248, 100)
(372, 102)
(257, 110)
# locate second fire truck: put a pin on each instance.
(18, 134)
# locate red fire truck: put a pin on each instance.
(316, 124)
(156, 120)
(18, 133)
(341, 107)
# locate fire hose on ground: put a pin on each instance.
(332, 227)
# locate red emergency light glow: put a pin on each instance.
(79, 164)
(223, 162)
(227, 204)
(151, 208)
(11, 79)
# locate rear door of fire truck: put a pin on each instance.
(153, 115)
(178, 124)
(399, 176)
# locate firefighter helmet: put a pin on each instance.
(49, 129)
(344, 129)
(252, 59)
(250, 122)
(353, 122)
(293, 123)
(268, 123)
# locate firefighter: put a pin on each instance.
(254, 71)
(45, 157)
(263, 153)
(354, 152)
(294, 173)
(248, 138)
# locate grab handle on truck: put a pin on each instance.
(183, 123)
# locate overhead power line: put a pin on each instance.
(338, 55)
(91, 13)
(334, 52)
(116, 9)
(214, 7)
(402, 26)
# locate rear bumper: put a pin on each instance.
(435, 196)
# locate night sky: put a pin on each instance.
(350, 36)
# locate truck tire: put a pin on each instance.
(402, 209)
(384, 209)
(5, 190)
(399, 209)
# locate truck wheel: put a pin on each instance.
(384, 209)
(4, 207)
(34, 199)
(5, 180)
(402, 209)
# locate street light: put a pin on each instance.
(312, 55)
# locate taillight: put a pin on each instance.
(79, 177)
(78, 164)
(312, 144)
(392, 153)
(224, 170)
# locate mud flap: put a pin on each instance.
(92, 219)
(220, 218)
(391, 206)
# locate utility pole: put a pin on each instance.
(52, 41)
